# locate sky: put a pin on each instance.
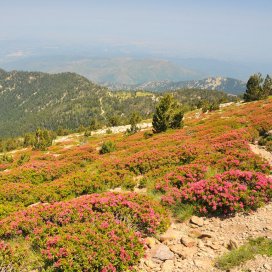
(223, 29)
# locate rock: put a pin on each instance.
(140, 190)
(182, 251)
(197, 221)
(178, 249)
(162, 252)
(205, 235)
(213, 245)
(194, 233)
(150, 263)
(188, 242)
(150, 241)
(198, 234)
(267, 266)
(170, 234)
(35, 204)
(168, 266)
(232, 244)
(200, 244)
(202, 264)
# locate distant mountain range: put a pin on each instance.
(34, 99)
(125, 64)
(228, 85)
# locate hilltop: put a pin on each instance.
(73, 207)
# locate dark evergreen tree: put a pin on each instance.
(256, 90)
(168, 114)
(267, 86)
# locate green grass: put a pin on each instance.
(183, 212)
(211, 172)
(261, 246)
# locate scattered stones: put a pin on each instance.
(162, 252)
(197, 221)
(194, 247)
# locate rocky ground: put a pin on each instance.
(193, 246)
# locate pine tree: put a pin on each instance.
(168, 114)
(134, 119)
(267, 86)
(258, 88)
(254, 88)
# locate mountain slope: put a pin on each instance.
(228, 85)
(33, 99)
(28, 100)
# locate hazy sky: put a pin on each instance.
(224, 29)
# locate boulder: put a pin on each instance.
(162, 252)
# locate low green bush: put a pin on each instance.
(107, 147)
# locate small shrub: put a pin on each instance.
(107, 147)
(23, 158)
(6, 158)
(88, 133)
(148, 134)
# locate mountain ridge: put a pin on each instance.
(226, 84)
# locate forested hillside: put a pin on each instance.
(33, 99)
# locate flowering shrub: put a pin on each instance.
(99, 232)
(224, 193)
(103, 244)
(13, 258)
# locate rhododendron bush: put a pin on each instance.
(99, 232)
(224, 193)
